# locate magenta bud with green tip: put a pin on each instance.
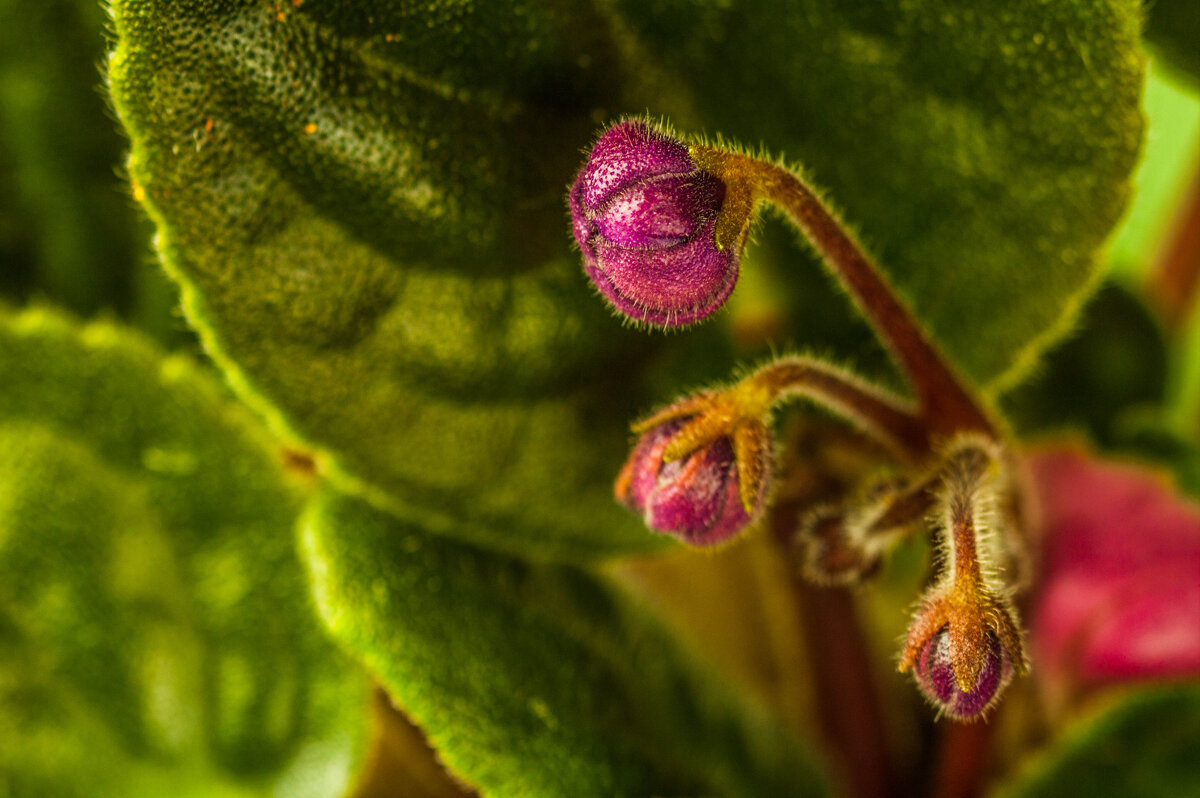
(644, 216)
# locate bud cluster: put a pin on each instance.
(661, 226)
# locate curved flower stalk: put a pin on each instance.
(663, 245)
(702, 467)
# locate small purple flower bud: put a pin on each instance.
(645, 217)
(934, 672)
(695, 498)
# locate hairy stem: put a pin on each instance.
(713, 413)
(964, 473)
(946, 405)
(849, 710)
(870, 408)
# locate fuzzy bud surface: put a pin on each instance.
(935, 676)
(644, 216)
(695, 498)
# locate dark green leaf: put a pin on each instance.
(1174, 27)
(364, 204)
(982, 149)
(535, 680)
(1140, 745)
(155, 626)
(1111, 369)
(69, 231)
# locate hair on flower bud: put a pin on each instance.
(935, 676)
(713, 490)
(645, 216)
(966, 630)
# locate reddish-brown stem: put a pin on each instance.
(962, 759)
(964, 474)
(848, 707)
(1174, 280)
(869, 407)
(967, 575)
(907, 507)
(946, 405)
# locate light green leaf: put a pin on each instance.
(364, 204)
(535, 680)
(1141, 744)
(155, 626)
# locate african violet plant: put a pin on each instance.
(402, 555)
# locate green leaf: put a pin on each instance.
(534, 680)
(69, 231)
(983, 150)
(1107, 373)
(1139, 745)
(364, 204)
(1174, 27)
(155, 626)
(1160, 184)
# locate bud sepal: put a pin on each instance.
(701, 469)
(963, 650)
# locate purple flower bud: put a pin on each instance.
(934, 672)
(645, 217)
(695, 498)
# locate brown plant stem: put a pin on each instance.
(1175, 277)
(946, 405)
(848, 707)
(964, 751)
(902, 430)
(400, 762)
(907, 507)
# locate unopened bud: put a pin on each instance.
(698, 498)
(935, 676)
(645, 217)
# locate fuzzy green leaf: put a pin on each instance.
(155, 625)
(535, 680)
(1140, 745)
(363, 202)
(983, 150)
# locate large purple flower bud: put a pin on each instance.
(934, 672)
(696, 498)
(645, 216)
